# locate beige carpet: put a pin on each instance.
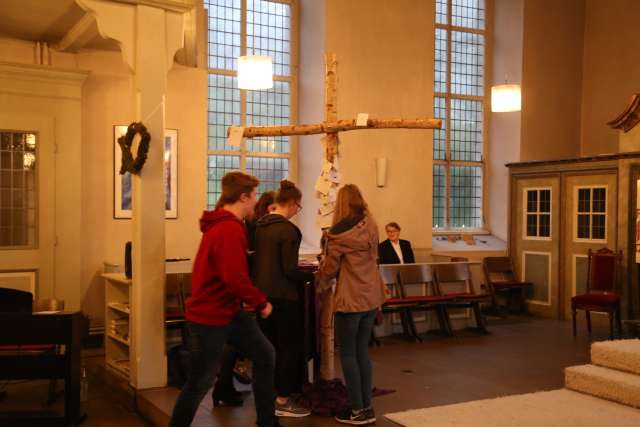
(558, 408)
(621, 354)
(611, 384)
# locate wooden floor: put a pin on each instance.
(521, 355)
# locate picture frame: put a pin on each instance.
(122, 184)
(22, 280)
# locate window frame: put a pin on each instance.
(36, 195)
(538, 213)
(576, 190)
(243, 152)
(486, 102)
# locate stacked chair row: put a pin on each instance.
(436, 278)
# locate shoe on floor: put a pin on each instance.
(371, 415)
(241, 374)
(357, 418)
(291, 409)
(226, 396)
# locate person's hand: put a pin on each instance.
(266, 311)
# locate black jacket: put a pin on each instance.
(275, 262)
(387, 255)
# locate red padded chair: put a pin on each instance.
(422, 274)
(395, 302)
(602, 295)
(460, 273)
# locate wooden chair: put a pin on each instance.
(602, 295)
(178, 289)
(501, 279)
(421, 274)
(395, 303)
(446, 274)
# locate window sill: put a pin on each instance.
(450, 231)
(483, 242)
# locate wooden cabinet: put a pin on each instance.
(559, 209)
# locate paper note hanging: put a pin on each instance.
(235, 135)
(326, 167)
(327, 209)
(362, 119)
(333, 194)
(324, 221)
(322, 185)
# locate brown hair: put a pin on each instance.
(234, 185)
(262, 207)
(288, 191)
(393, 225)
(349, 204)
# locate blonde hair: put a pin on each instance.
(349, 204)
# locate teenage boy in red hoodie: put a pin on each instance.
(220, 284)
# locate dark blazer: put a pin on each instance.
(275, 263)
(387, 255)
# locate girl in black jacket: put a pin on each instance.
(276, 273)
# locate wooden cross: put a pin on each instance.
(330, 128)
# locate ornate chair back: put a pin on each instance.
(603, 270)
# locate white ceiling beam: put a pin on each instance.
(85, 30)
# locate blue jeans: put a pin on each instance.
(353, 331)
(205, 350)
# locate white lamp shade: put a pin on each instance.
(255, 72)
(505, 98)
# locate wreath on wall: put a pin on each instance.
(129, 164)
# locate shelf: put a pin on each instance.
(118, 338)
(119, 278)
(120, 366)
(119, 307)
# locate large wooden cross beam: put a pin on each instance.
(330, 128)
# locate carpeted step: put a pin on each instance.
(611, 384)
(623, 355)
(557, 408)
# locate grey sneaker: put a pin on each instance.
(371, 416)
(291, 409)
(357, 418)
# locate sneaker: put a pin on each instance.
(291, 409)
(357, 418)
(241, 374)
(370, 414)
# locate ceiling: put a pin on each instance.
(44, 21)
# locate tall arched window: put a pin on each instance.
(251, 27)
(460, 92)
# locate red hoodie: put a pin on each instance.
(220, 281)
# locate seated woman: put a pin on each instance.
(393, 250)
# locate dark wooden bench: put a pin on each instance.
(22, 332)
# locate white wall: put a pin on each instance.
(311, 110)
(87, 199)
(107, 103)
(385, 68)
(504, 128)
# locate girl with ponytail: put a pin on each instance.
(276, 273)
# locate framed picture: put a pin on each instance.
(22, 280)
(122, 184)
